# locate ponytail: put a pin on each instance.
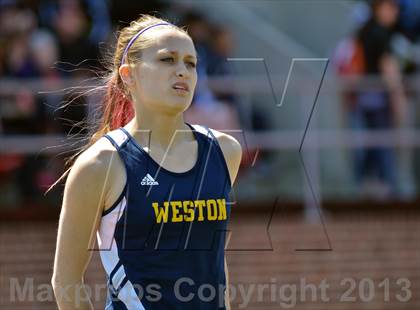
(117, 111)
(118, 107)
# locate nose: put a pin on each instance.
(182, 70)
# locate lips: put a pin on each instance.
(181, 86)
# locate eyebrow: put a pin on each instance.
(175, 53)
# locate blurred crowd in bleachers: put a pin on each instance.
(43, 42)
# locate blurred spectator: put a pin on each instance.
(30, 56)
(44, 52)
(71, 27)
(198, 28)
(381, 106)
(16, 26)
(18, 61)
(15, 20)
(222, 43)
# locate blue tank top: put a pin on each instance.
(162, 242)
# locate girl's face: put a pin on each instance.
(165, 77)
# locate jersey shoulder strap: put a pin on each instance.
(214, 143)
(117, 137)
(206, 131)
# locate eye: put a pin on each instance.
(167, 59)
(192, 64)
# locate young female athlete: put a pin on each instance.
(153, 188)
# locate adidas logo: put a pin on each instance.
(148, 180)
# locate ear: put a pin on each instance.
(125, 74)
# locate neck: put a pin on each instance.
(162, 130)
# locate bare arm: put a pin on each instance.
(82, 206)
(233, 154)
(227, 296)
(392, 76)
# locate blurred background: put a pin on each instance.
(322, 95)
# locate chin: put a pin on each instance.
(175, 106)
(180, 101)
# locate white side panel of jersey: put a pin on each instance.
(108, 252)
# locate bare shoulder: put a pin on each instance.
(98, 171)
(229, 144)
(232, 151)
(95, 160)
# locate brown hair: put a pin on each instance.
(117, 109)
